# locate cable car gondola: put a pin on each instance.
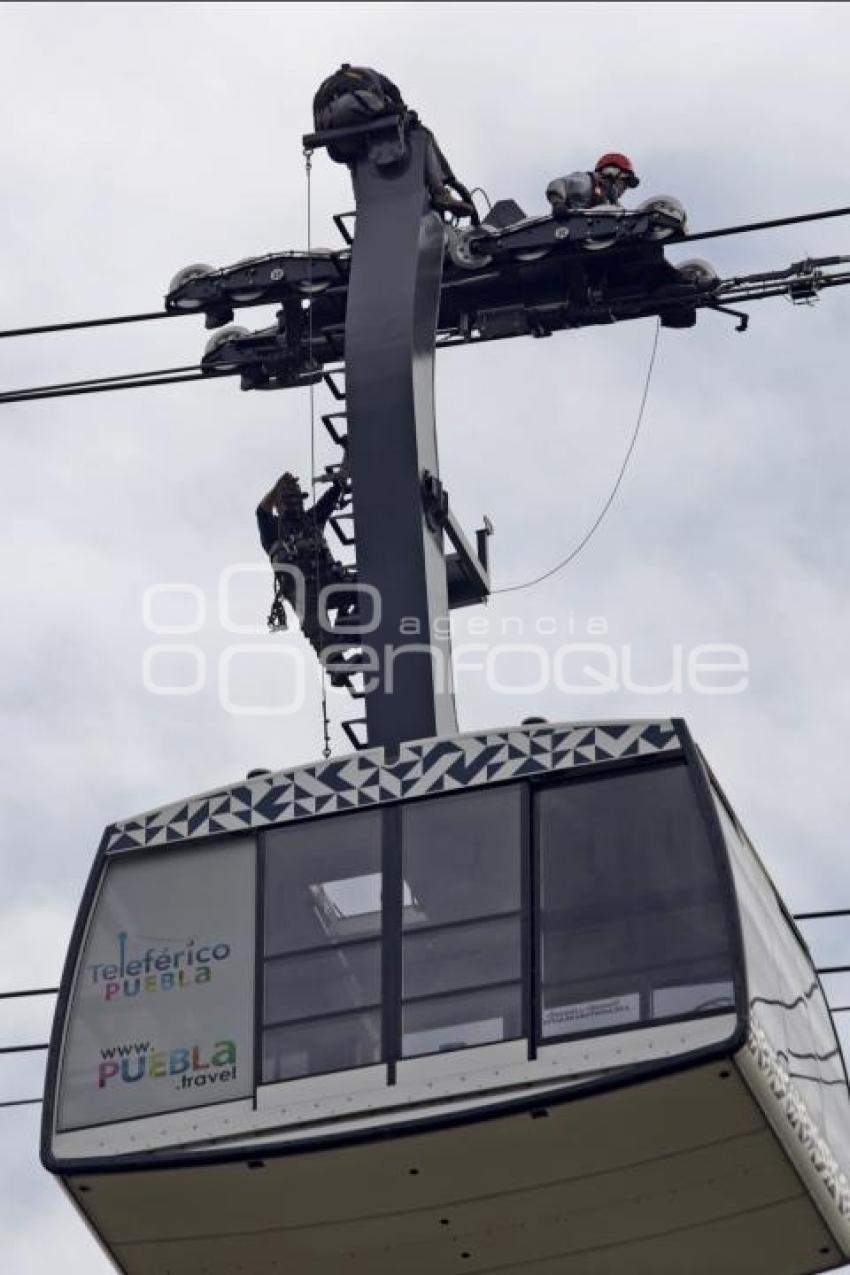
(521, 1000)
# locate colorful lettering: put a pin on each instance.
(178, 1061)
(197, 1063)
(127, 1074)
(157, 970)
(224, 1054)
(105, 1072)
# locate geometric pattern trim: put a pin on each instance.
(365, 778)
(792, 1107)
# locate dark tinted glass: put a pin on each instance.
(634, 924)
(462, 856)
(474, 954)
(461, 1021)
(323, 882)
(333, 1044)
(462, 931)
(323, 982)
(323, 926)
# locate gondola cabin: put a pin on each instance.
(521, 1001)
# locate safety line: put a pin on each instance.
(308, 169)
(573, 554)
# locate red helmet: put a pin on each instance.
(614, 159)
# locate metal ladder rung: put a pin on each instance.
(348, 727)
(328, 419)
(339, 394)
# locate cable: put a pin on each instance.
(817, 916)
(573, 554)
(308, 168)
(99, 380)
(33, 991)
(763, 225)
(105, 384)
(21, 1102)
(153, 315)
(22, 1049)
(98, 323)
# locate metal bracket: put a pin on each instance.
(467, 570)
(743, 319)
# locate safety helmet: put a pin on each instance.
(614, 159)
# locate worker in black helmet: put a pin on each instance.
(294, 537)
(612, 176)
(357, 95)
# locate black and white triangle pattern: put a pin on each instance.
(365, 779)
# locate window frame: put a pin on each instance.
(529, 915)
(521, 789)
(690, 761)
(265, 847)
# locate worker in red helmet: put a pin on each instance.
(612, 176)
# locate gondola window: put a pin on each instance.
(461, 943)
(323, 928)
(633, 922)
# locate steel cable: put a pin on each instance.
(573, 554)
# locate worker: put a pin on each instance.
(359, 95)
(613, 174)
(294, 537)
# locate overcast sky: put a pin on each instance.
(138, 138)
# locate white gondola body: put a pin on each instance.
(522, 1000)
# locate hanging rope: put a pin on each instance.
(308, 169)
(573, 554)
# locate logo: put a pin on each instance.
(131, 1063)
(164, 969)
